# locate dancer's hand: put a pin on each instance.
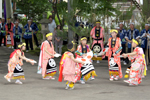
(84, 55)
(83, 63)
(95, 56)
(124, 55)
(114, 54)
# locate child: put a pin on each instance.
(67, 66)
(46, 60)
(138, 64)
(14, 65)
(114, 45)
(82, 50)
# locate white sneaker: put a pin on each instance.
(8, 79)
(9, 47)
(82, 82)
(98, 61)
(126, 81)
(51, 78)
(112, 78)
(27, 50)
(46, 78)
(116, 78)
(91, 78)
(124, 63)
(67, 87)
(12, 47)
(18, 82)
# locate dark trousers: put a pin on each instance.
(1, 38)
(123, 51)
(15, 42)
(36, 40)
(144, 49)
(29, 41)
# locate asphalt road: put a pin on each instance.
(35, 88)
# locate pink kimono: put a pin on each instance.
(138, 66)
(10, 32)
(100, 39)
(45, 57)
(69, 69)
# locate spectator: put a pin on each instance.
(2, 32)
(17, 31)
(52, 26)
(58, 40)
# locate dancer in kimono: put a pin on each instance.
(97, 33)
(46, 60)
(15, 62)
(17, 31)
(132, 33)
(67, 68)
(138, 66)
(2, 32)
(114, 45)
(9, 32)
(82, 51)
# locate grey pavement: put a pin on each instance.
(35, 88)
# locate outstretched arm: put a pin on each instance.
(77, 61)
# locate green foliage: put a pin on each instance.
(33, 8)
(62, 34)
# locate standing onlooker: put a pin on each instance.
(19, 24)
(52, 27)
(17, 34)
(132, 33)
(122, 33)
(144, 36)
(9, 31)
(58, 40)
(34, 29)
(2, 32)
(28, 35)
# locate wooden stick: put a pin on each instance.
(147, 62)
(33, 40)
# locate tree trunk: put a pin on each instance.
(70, 32)
(9, 13)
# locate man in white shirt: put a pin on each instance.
(52, 27)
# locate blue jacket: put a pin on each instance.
(144, 39)
(122, 34)
(34, 27)
(135, 35)
(18, 34)
(4, 33)
(28, 33)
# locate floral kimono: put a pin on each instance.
(138, 66)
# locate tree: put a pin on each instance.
(33, 8)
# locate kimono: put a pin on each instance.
(69, 71)
(47, 62)
(14, 66)
(114, 61)
(97, 44)
(79, 52)
(138, 66)
(87, 69)
(132, 35)
(9, 34)
(122, 34)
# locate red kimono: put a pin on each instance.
(9, 30)
(114, 60)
